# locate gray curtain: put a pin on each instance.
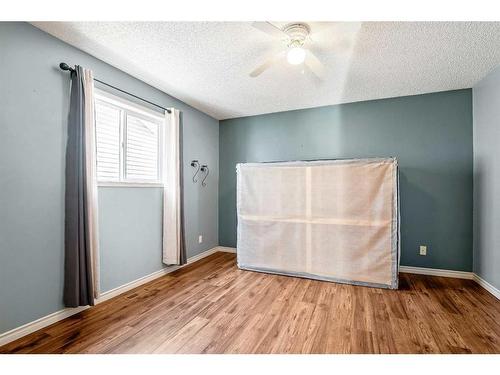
(78, 268)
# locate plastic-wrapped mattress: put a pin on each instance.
(333, 220)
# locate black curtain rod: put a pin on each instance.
(65, 66)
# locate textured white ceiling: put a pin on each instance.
(206, 64)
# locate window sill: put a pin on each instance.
(130, 184)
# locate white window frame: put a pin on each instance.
(128, 107)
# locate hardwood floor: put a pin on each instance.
(213, 307)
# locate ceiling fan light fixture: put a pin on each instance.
(296, 55)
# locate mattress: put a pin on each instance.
(332, 220)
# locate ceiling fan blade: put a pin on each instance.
(261, 68)
(314, 65)
(269, 28)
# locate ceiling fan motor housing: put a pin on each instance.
(297, 34)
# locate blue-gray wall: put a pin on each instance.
(34, 106)
(487, 178)
(431, 135)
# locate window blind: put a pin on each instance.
(128, 142)
(142, 146)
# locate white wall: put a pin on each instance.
(486, 110)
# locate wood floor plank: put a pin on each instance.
(213, 307)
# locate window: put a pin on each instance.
(129, 141)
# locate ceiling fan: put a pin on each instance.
(295, 37)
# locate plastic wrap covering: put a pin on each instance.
(334, 220)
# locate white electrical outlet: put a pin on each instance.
(423, 250)
(200, 238)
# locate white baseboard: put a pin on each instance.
(226, 249)
(425, 271)
(35, 325)
(47, 320)
(450, 273)
(486, 285)
(422, 271)
(437, 272)
(143, 280)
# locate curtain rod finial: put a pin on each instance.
(65, 66)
